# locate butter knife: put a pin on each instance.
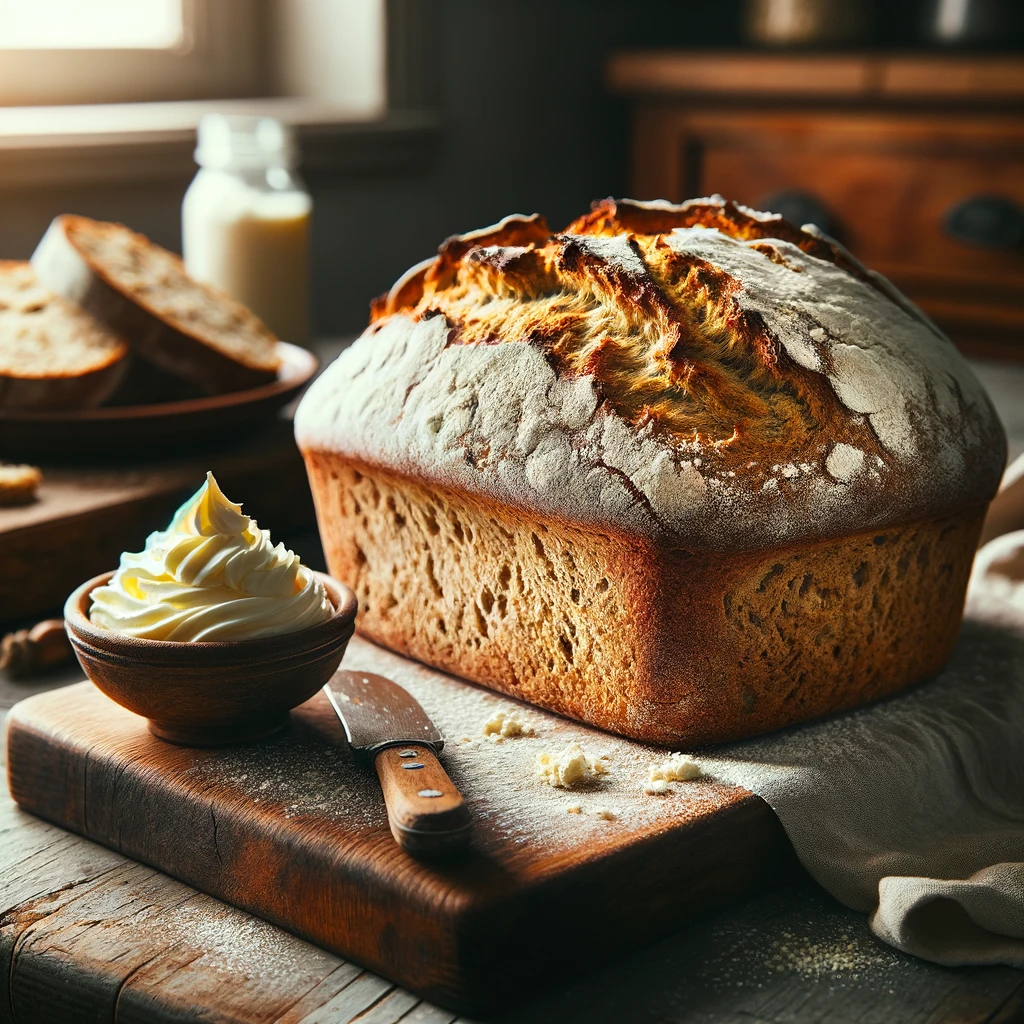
(385, 725)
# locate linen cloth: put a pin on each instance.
(912, 809)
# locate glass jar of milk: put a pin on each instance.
(245, 220)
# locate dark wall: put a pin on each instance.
(527, 127)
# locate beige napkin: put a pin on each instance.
(912, 809)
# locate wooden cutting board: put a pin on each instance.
(293, 830)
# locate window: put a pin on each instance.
(74, 25)
(58, 52)
(114, 51)
(105, 69)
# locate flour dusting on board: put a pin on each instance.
(499, 781)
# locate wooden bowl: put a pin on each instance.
(209, 694)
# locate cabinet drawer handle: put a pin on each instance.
(799, 208)
(991, 221)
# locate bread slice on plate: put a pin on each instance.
(184, 327)
(53, 355)
(18, 484)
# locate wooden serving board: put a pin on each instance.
(293, 830)
(86, 516)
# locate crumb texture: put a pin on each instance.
(156, 279)
(545, 613)
(52, 353)
(571, 768)
(505, 726)
(822, 629)
(701, 372)
(676, 767)
(672, 646)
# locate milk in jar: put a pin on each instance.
(245, 220)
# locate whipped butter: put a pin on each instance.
(213, 574)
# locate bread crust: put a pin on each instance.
(729, 381)
(60, 387)
(666, 645)
(19, 485)
(65, 268)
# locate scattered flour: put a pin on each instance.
(844, 462)
(614, 249)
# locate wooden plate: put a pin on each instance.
(117, 433)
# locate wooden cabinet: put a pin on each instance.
(921, 180)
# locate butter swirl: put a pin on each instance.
(213, 574)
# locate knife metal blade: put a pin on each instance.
(377, 713)
(385, 725)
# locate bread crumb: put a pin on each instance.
(505, 726)
(607, 813)
(573, 767)
(18, 484)
(574, 809)
(657, 787)
(678, 768)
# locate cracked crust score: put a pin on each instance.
(694, 373)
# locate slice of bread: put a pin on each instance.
(53, 355)
(18, 484)
(142, 291)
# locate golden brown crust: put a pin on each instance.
(19, 484)
(688, 473)
(691, 344)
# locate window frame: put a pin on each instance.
(223, 55)
(392, 125)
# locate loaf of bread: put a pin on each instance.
(688, 473)
(53, 355)
(142, 292)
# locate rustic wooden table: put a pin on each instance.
(87, 935)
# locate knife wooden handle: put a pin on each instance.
(427, 814)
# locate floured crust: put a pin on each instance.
(697, 373)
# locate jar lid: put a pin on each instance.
(244, 140)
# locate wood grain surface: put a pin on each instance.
(295, 831)
(935, 78)
(89, 936)
(427, 814)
